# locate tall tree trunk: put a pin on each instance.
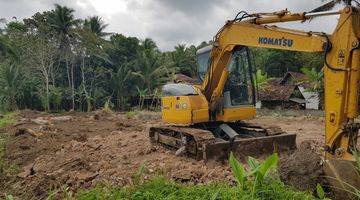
(52, 73)
(12, 105)
(148, 86)
(88, 100)
(69, 80)
(72, 87)
(68, 72)
(47, 103)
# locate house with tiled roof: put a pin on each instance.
(292, 91)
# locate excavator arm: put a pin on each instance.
(246, 34)
(341, 63)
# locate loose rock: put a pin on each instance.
(40, 121)
(61, 119)
(22, 131)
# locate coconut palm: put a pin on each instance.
(149, 45)
(96, 25)
(150, 68)
(184, 59)
(8, 53)
(63, 21)
(122, 82)
(11, 82)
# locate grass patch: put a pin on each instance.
(357, 161)
(253, 184)
(7, 119)
(6, 169)
(160, 188)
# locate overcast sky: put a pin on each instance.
(168, 22)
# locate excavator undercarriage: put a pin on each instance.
(215, 141)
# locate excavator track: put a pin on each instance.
(215, 141)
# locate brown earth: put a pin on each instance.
(80, 150)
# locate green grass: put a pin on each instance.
(357, 161)
(8, 118)
(260, 186)
(160, 188)
(6, 168)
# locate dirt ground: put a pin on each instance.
(80, 150)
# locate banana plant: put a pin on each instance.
(254, 176)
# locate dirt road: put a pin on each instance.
(79, 150)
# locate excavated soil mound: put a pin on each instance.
(302, 169)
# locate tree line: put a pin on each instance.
(54, 61)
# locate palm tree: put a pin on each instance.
(63, 21)
(184, 59)
(96, 25)
(150, 68)
(149, 45)
(121, 82)
(7, 50)
(10, 81)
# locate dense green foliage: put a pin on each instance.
(275, 63)
(53, 61)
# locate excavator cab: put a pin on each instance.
(203, 61)
(239, 88)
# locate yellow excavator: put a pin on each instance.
(207, 120)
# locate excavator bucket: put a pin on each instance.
(344, 178)
(216, 141)
(255, 147)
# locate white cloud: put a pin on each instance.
(169, 22)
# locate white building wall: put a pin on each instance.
(258, 105)
(311, 98)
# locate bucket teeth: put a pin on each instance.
(240, 138)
